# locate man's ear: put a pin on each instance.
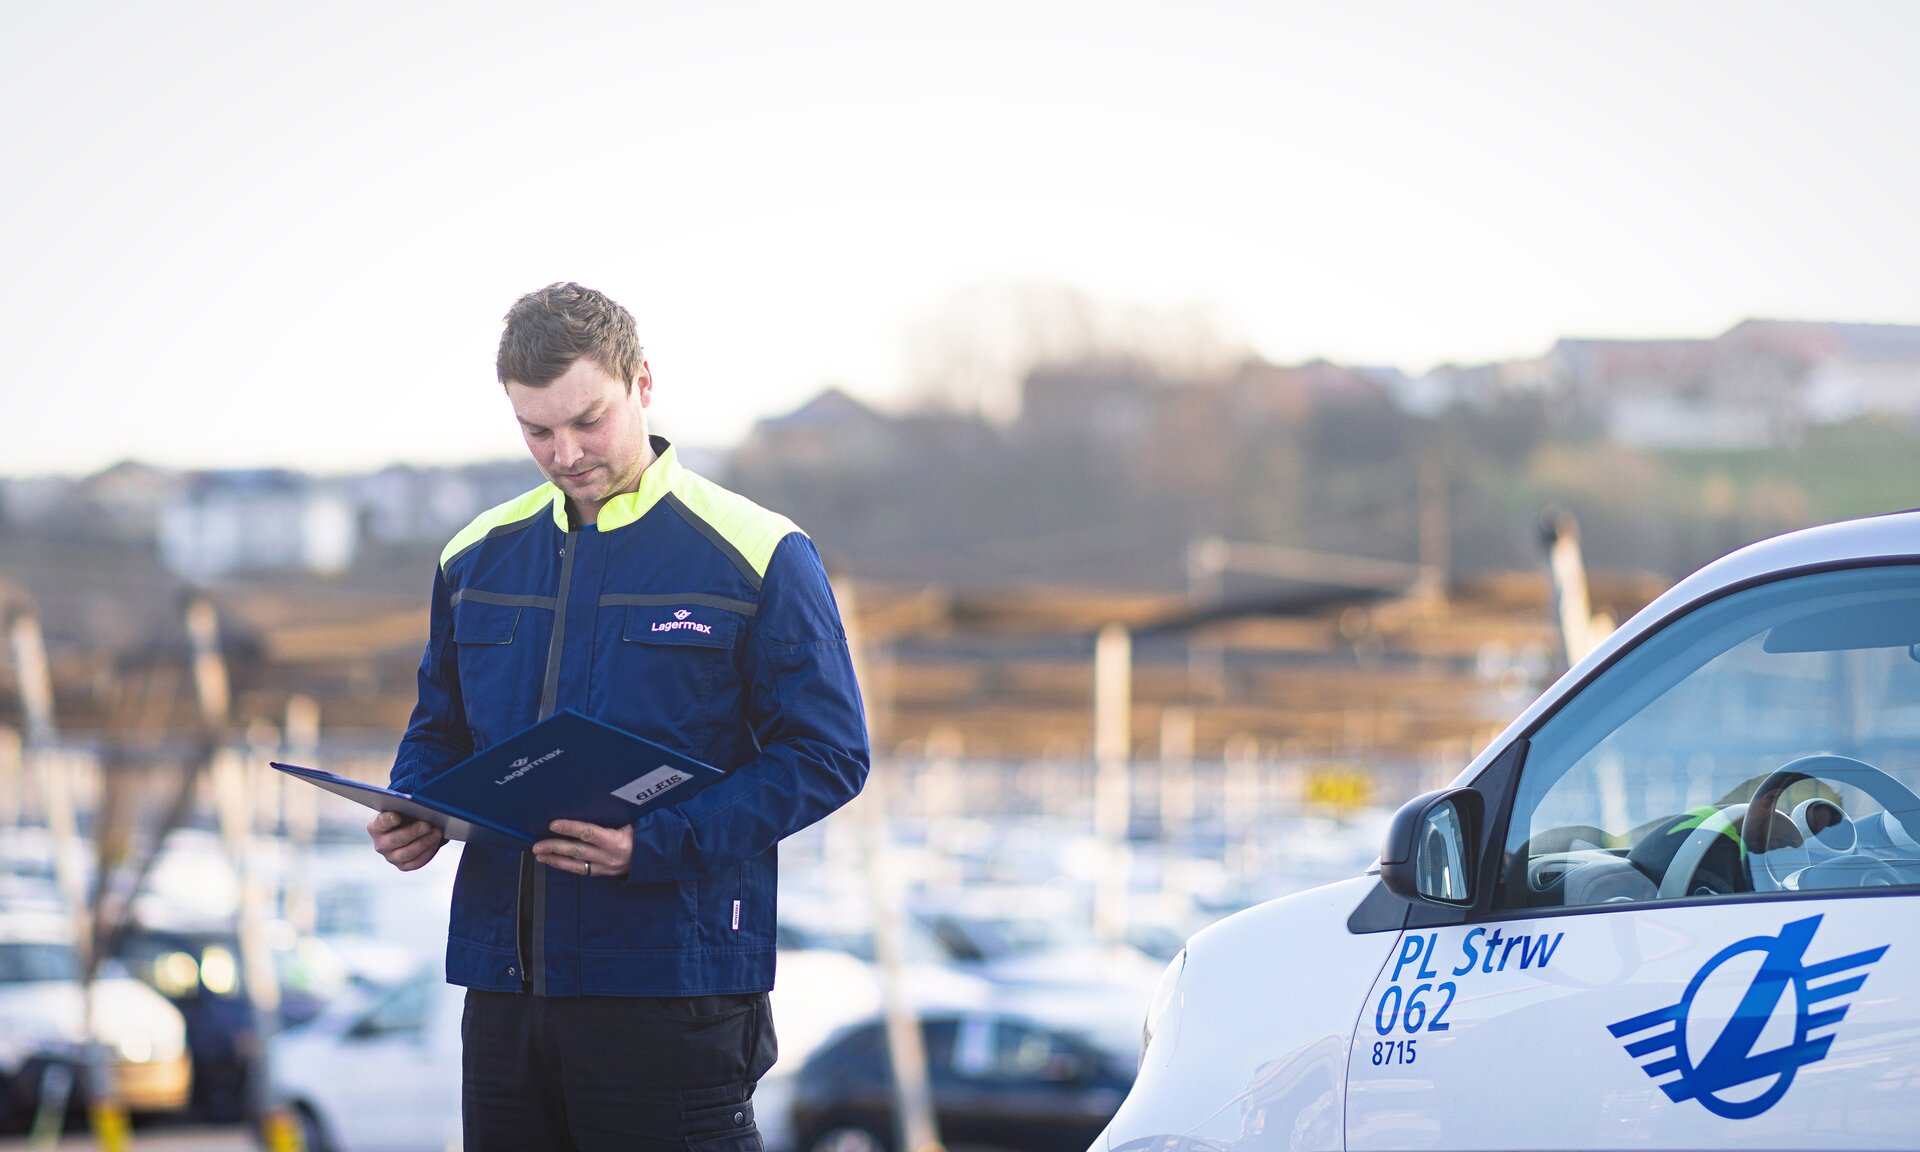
(643, 384)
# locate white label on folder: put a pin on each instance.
(652, 784)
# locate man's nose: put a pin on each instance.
(566, 450)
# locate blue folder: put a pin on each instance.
(566, 767)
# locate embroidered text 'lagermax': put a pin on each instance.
(680, 622)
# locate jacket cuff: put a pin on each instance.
(660, 839)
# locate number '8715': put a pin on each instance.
(1394, 1052)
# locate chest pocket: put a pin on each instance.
(676, 665)
(501, 649)
(686, 626)
(475, 622)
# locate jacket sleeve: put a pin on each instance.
(804, 709)
(437, 735)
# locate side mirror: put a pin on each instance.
(1432, 848)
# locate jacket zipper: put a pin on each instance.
(536, 973)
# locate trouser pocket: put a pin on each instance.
(719, 1120)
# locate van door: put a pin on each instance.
(1703, 927)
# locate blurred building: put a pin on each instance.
(1762, 383)
(257, 520)
(403, 504)
(1826, 372)
(129, 496)
(831, 430)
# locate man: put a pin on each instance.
(617, 977)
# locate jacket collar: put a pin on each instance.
(627, 507)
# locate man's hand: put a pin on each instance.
(586, 849)
(406, 846)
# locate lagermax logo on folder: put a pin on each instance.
(586, 771)
(522, 766)
(652, 784)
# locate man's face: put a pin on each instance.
(587, 432)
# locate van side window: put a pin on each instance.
(1767, 742)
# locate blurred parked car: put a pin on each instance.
(997, 1080)
(1670, 907)
(43, 1025)
(377, 1073)
(819, 992)
(200, 972)
(199, 969)
(988, 923)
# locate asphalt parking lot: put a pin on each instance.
(163, 1139)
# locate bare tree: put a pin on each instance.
(972, 355)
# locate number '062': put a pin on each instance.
(1423, 1009)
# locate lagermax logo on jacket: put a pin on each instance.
(680, 622)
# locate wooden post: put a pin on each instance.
(1240, 780)
(1177, 730)
(236, 806)
(209, 667)
(1569, 580)
(1176, 801)
(235, 782)
(13, 779)
(1206, 588)
(52, 773)
(56, 771)
(1113, 793)
(943, 795)
(1435, 536)
(35, 676)
(302, 809)
(56, 775)
(912, 1090)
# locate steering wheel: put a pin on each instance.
(1677, 882)
(1759, 826)
(1757, 835)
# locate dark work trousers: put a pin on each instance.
(587, 1073)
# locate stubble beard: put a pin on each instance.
(599, 494)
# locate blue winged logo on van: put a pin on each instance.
(1732, 1059)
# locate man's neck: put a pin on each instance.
(580, 515)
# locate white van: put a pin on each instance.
(1674, 905)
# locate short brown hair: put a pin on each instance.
(548, 330)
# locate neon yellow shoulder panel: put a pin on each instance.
(512, 512)
(747, 528)
(754, 531)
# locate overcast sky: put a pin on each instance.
(275, 234)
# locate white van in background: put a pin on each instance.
(1674, 905)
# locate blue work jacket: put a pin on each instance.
(688, 615)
